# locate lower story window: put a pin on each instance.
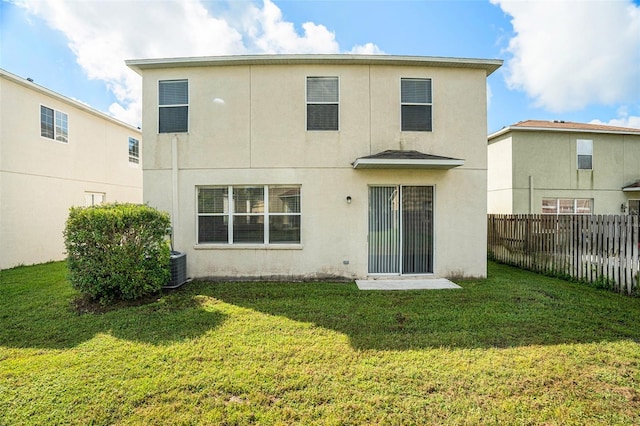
(258, 214)
(567, 206)
(94, 198)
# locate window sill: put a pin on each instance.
(248, 247)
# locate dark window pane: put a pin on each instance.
(248, 229)
(174, 119)
(134, 153)
(173, 92)
(284, 229)
(284, 199)
(416, 118)
(46, 122)
(585, 162)
(213, 229)
(322, 117)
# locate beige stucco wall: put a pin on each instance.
(500, 176)
(258, 136)
(41, 178)
(550, 159)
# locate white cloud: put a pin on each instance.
(103, 34)
(267, 32)
(571, 54)
(623, 119)
(366, 49)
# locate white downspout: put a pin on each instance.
(175, 217)
(531, 189)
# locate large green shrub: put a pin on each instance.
(117, 251)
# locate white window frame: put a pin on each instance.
(584, 148)
(308, 102)
(430, 80)
(60, 133)
(231, 215)
(134, 158)
(575, 208)
(160, 106)
(94, 198)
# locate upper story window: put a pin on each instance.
(54, 124)
(173, 102)
(416, 104)
(134, 151)
(262, 214)
(323, 101)
(585, 154)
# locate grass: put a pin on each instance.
(516, 348)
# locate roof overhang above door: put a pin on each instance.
(633, 187)
(393, 159)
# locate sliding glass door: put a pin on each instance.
(400, 229)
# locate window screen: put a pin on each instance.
(416, 104)
(322, 103)
(173, 99)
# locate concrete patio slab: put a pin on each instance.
(423, 284)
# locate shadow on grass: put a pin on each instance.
(37, 311)
(511, 308)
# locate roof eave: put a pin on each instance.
(379, 163)
(555, 129)
(489, 65)
(62, 98)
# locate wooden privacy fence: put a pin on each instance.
(603, 250)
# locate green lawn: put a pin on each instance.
(517, 348)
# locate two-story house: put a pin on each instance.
(56, 153)
(558, 167)
(316, 166)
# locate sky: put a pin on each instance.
(572, 60)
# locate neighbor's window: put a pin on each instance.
(263, 214)
(94, 198)
(585, 154)
(567, 206)
(416, 104)
(54, 124)
(134, 151)
(323, 103)
(173, 101)
(634, 207)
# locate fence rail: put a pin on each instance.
(602, 250)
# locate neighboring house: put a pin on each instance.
(318, 166)
(558, 167)
(56, 153)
